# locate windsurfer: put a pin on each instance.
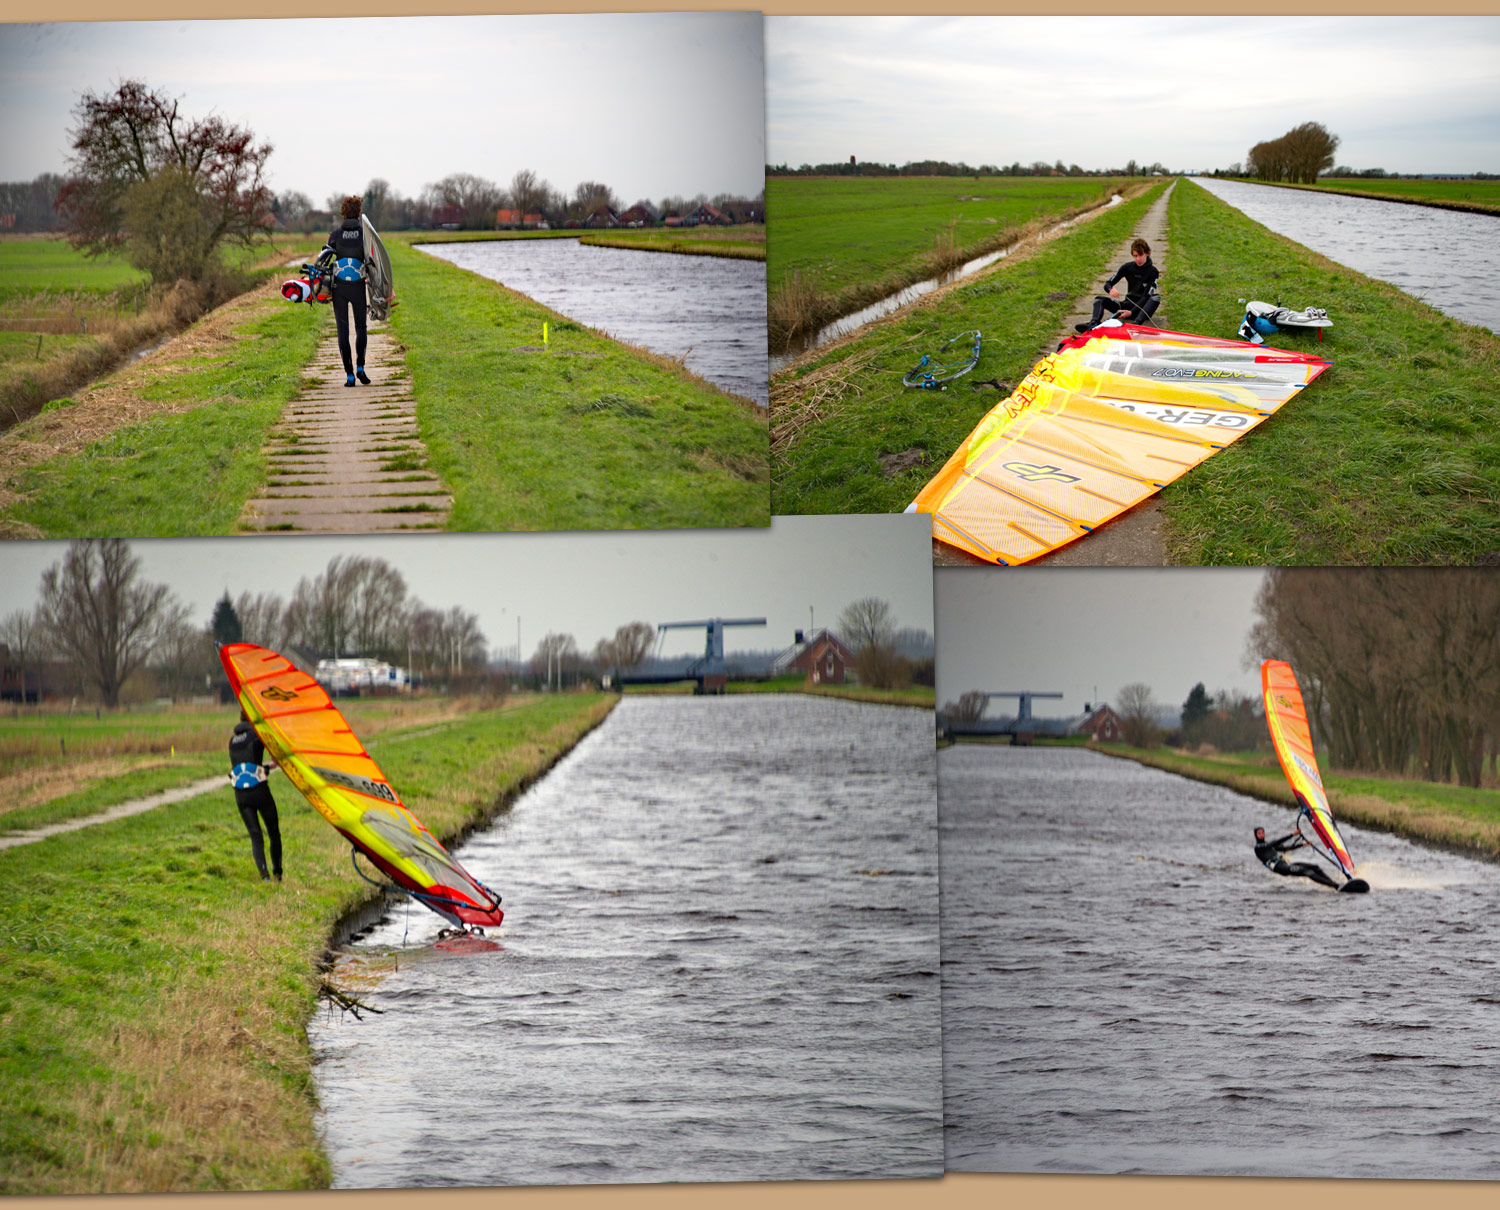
(1269, 854)
(1141, 299)
(346, 253)
(247, 761)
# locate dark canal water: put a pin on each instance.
(1126, 990)
(719, 962)
(1449, 259)
(711, 308)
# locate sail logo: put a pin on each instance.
(1176, 372)
(364, 785)
(1034, 473)
(277, 694)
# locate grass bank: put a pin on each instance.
(66, 319)
(847, 437)
(1391, 457)
(842, 243)
(1453, 817)
(1482, 197)
(746, 242)
(166, 447)
(587, 433)
(154, 993)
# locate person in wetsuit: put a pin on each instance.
(247, 770)
(1141, 300)
(1269, 854)
(345, 253)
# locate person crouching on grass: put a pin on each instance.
(346, 252)
(1141, 300)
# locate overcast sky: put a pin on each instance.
(652, 104)
(1087, 632)
(583, 584)
(1408, 94)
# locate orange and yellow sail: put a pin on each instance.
(321, 756)
(1097, 427)
(1286, 716)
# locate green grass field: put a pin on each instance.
(55, 767)
(1390, 457)
(1434, 812)
(30, 264)
(154, 993)
(857, 231)
(182, 472)
(1478, 195)
(835, 415)
(588, 434)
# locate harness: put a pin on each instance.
(348, 268)
(246, 776)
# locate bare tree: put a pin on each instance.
(262, 618)
(866, 621)
(124, 141)
(1137, 711)
(967, 709)
(555, 656)
(183, 657)
(528, 192)
(97, 614)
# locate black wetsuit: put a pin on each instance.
(347, 242)
(1140, 281)
(247, 753)
(1268, 853)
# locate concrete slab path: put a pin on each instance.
(348, 459)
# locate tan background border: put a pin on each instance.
(956, 1192)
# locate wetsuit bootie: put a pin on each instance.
(1081, 327)
(360, 374)
(349, 382)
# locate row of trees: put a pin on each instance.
(1297, 156)
(167, 190)
(1400, 668)
(945, 168)
(104, 624)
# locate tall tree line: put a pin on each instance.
(1400, 668)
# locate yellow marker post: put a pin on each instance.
(544, 333)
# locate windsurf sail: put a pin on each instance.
(302, 728)
(1095, 428)
(1286, 716)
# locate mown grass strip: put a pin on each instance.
(154, 993)
(1455, 817)
(1391, 457)
(736, 243)
(586, 433)
(835, 415)
(137, 777)
(188, 469)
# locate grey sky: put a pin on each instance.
(1409, 94)
(583, 584)
(652, 104)
(1070, 630)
